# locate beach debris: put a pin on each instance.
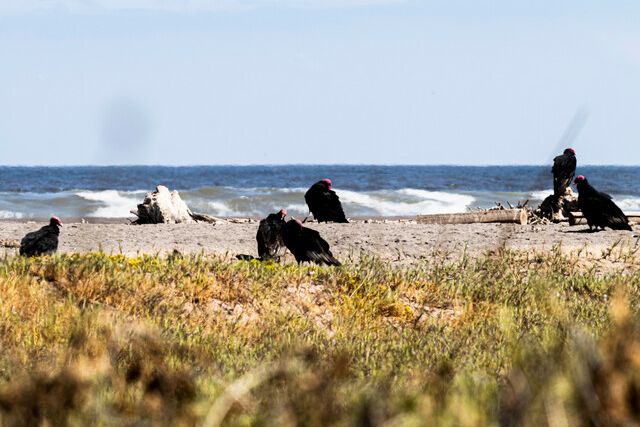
(495, 215)
(240, 220)
(10, 243)
(558, 209)
(164, 207)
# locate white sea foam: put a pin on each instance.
(629, 203)
(419, 201)
(296, 209)
(11, 215)
(541, 194)
(292, 190)
(116, 204)
(221, 209)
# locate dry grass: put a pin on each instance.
(508, 338)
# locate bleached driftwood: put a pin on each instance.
(514, 216)
(164, 207)
(577, 218)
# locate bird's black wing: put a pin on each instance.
(316, 248)
(39, 242)
(30, 238)
(599, 209)
(564, 169)
(261, 239)
(557, 160)
(313, 198)
(334, 207)
(269, 238)
(604, 195)
(614, 216)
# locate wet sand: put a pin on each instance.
(396, 241)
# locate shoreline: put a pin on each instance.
(397, 241)
(128, 220)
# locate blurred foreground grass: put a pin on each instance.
(505, 339)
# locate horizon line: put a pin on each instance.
(306, 164)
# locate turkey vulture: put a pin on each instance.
(269, 236)
(306, 244)
(43, 241)
(324, 203)
(564, 169)
(598, 208)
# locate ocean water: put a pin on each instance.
(89, 191)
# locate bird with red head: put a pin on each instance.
(43, 241)
(598, 208)
(563, 170)
(324, 203)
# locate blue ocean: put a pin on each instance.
(365, 191)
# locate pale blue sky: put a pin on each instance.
(317, 81)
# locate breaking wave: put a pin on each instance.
(628, 203)
(112, 203)
(11, 215)
(257, 202)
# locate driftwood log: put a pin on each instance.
(513, 216)
(576, 218)
(165, 207)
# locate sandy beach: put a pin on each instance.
(396, 241)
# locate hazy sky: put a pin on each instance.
(317, 81)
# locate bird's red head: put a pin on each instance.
(55, 221)
(579, 178)
(328, 182)
(570, 150)
(283, 213)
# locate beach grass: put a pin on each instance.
(508, 338)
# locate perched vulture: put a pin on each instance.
(269, 237)
(306, 244)
(324, 203)
(43, 241)
(598, 208)
(564, 169)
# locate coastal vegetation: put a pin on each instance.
(507, 338)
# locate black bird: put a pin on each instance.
(564, 169)
(43, 241)
(324, 203)
(306, 244)
(269, 236)
(598, 208)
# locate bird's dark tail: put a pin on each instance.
(330, 260)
